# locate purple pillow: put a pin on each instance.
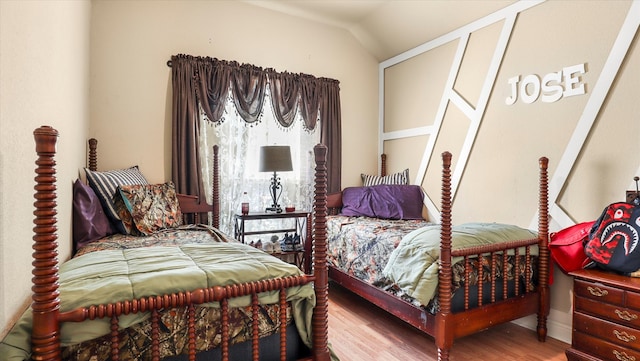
(383, 201)
(89, 220)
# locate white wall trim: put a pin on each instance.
(591, 110)
(559, 323)
(450, 97)
(555, 328)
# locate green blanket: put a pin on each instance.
(413, 265)
(115, 275)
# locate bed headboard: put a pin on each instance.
(192, 207)
(334, 200)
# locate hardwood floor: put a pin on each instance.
(360, 331)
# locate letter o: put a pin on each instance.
(530, 97)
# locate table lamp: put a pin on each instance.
(275, 158)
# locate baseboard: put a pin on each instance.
(558, 325)
(15, 318)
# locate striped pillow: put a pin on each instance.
(400, 178)
(105, 185)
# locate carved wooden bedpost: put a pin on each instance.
(543, 235)
(93, 154)
(320, 329)
(45, 336)
(383, 165)
(216, 186)
(444, 328)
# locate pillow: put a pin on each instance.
(89, 220)
(383, 201)
(105, 185)
(148, 208)
(401, 178)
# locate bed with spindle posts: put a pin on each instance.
(169, 298)
(427, 274)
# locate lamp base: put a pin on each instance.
(274, 209)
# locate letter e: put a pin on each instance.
(570, 88)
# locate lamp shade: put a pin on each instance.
(275, 158)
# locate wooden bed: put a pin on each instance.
(49, 319)
(444, 323)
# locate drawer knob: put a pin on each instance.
(626, 315)
(622, 356)
(597, 291)
(623, 336)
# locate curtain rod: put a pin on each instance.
(169, 63)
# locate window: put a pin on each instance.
(239, 144)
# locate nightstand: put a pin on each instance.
(606, 317)
(300, 223)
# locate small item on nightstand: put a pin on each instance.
(290, 209)
(268, 247)
(245, 203)
(276, 244)
(297, 244)
(287, 243)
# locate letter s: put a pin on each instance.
(551, 88)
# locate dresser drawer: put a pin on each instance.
(626, 337)
(577, 355)
(598, 291)
(601, 349)
(621, 315)
(633, 300)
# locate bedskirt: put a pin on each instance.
(458, 283)
(136, 344)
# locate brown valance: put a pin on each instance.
(215, 78)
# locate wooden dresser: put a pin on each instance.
(606, 317)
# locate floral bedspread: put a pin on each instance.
(361, 246)
(186, 234)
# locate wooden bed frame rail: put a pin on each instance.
(46, 304)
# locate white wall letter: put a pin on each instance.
(514, 90)
(527, 97)
(551, 88)
(570, 81)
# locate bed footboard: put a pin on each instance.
(504, 307)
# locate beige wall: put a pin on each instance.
(98, 69)
(44, 79)
(499, 182)
(131, 42)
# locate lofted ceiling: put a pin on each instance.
(389, 27)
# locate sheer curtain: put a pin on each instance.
(235, 97)
(239, 144)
